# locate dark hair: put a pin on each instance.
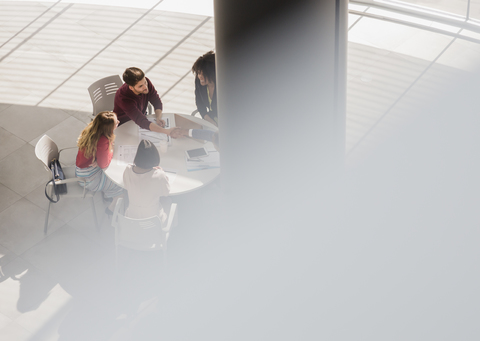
(206, 65)
(133, 75)
(147, 155)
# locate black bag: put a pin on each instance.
(57, 174)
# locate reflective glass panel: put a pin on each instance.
(475, 9)
(458, 7)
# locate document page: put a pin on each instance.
(154, 137)
(126, 154)
(171, 175)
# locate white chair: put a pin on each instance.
(102, 93)
(46, 150)
(141, 234)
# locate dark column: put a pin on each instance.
(281, 101)
(281, 74)
(281, 96)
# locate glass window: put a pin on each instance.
(457, 7)
(475, 9)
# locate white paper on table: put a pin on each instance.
(167, 123)
(154, 137)
(171, 174)
(153, 119)
(126, 154)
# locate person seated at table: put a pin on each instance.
(132, 98)
(146, 182)
(95, 152)
(205, 92)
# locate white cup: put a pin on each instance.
(163, 146)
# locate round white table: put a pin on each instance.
(173, 161)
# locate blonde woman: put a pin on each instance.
(95, 151)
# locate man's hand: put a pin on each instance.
(156, 128)
(178, 132)
(158, 116)
(161, 122)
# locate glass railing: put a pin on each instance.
(461, 13)
(456, 18)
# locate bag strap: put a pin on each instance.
(54, 185)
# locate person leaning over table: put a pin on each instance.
(95, 151)
(131, 101)
(205, 83)
(146, 184)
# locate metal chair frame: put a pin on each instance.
(46, 150)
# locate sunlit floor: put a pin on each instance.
(50, 52)
(64, 286)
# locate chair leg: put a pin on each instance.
(46, 219)
(95, 215)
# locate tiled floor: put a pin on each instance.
(64, 286)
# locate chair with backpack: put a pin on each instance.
(63, 184)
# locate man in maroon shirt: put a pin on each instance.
(131, 101)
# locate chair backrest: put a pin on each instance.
(138, 234)
(102, 93)
(46, 150)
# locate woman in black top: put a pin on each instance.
(205, 84)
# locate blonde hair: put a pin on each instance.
(102, 124)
